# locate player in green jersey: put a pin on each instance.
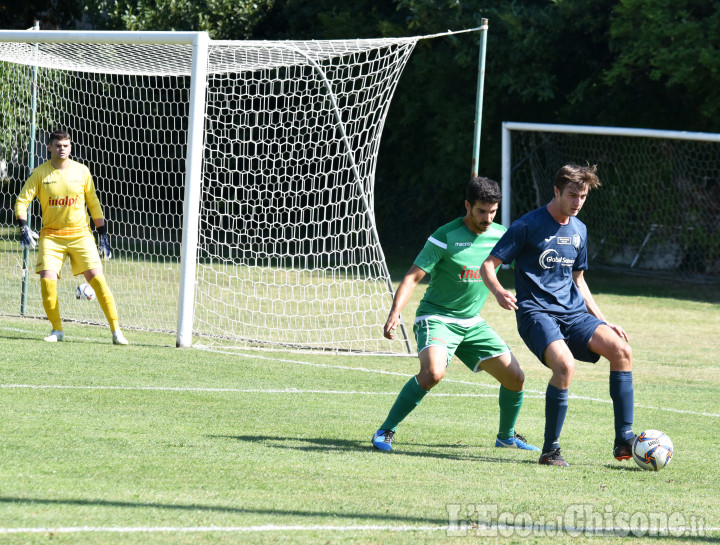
(448, 322)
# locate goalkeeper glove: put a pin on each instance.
(28, 237)
(103, 244)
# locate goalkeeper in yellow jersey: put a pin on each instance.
(65, 188)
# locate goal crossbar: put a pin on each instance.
(611, 131)
(99, 36)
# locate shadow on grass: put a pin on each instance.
(317, 444)
(385, 517)
(38, 338)
(457, 524)
(631, 467)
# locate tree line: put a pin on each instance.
(632, 63)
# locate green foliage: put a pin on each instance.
(330, 20)
(15, 136)
(635, 63)
(673, 43)
(222, 19)
(60, 14)
(18, 114)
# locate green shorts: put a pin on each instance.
(471, 344)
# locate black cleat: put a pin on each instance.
(622, 450)
(552, 458)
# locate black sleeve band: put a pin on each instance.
(102, 230)
(22, 223)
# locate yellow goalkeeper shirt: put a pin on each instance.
(64, 196)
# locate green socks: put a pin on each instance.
(406, 401)
(410, 396)
(510, 403)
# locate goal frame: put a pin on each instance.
(193, 171)
(193, 154)
(508, 126)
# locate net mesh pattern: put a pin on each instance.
(176, 59)
(658, 209)
(288, 254)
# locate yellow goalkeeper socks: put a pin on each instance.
(48, 290)
(106, 300)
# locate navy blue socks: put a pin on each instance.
(623, 398)
(556, 406)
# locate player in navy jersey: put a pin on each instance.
(556, 314)
(448, 321)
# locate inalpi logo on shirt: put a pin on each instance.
(471, 275)
(64, 201)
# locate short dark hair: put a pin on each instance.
(577, 176)
(59, 134)
(484, 190)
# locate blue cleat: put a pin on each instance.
(516, 441)
(382, 440)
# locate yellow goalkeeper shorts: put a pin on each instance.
(52, 251)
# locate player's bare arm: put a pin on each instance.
(402, 296)
(592, 306)
(505, 298)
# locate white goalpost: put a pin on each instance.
(237, 178)
(658, 209)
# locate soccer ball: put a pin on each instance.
(85, 291)
(652, 450)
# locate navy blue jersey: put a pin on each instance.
(545, 254)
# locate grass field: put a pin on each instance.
(318, 308)
(153, 444)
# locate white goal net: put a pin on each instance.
(658, 209)
(287, 253)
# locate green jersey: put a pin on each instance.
(453, 256)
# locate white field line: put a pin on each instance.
(240, 529)
(609, 531)
(538, 393)
(102, 339)
(348, 368)
(299, 391)
(231, 390)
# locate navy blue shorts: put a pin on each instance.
(539, 329)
